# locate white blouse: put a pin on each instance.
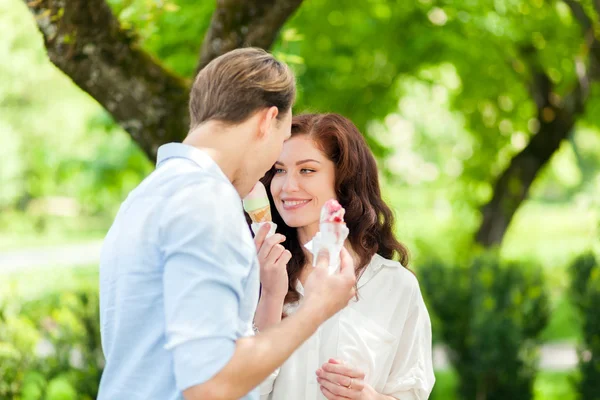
(386, 334)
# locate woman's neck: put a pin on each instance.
(307, 233)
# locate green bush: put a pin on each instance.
(50, 348)
(491, 316)
(581, 270)
(585, 292)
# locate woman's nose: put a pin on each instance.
(290, 184)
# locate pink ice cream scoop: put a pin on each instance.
(332, 234)
(332, 212)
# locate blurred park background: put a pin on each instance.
(484, 116)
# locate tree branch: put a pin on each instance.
(243, 23)
(591, 41)
(84, 39)
(580, 14)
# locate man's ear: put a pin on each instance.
(267, 119)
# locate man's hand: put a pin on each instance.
(327, 294)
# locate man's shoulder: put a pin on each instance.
(202, 198)
(180, 178)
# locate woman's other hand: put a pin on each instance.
(341, 381)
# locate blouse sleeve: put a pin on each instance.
(411, 376)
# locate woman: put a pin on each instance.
(379, 347)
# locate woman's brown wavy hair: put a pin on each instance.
(368, 218)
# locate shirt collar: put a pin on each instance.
(377, 264)
(180, 150)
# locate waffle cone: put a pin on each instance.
(261, 215)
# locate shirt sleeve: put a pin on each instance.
(206, 262)
(412, 376)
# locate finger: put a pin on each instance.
(284, 258)
(347, 264)
(323, 258)
(338, 379)
(358, 384)
(336, 389)
(328, 394)
(274, 254)
(261, 235)
(342, 369)
(268, 245)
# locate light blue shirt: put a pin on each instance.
(178, 280)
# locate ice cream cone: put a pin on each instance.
(261, 215)
(257, 205)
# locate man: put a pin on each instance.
(179, 276)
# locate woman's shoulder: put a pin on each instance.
(389, 278)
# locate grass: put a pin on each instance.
(18, 230)
(547, 386)
(36, 282)
(552, 235)
(554, 386)
(13, 242)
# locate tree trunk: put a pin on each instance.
(513, 185)
(84, 39)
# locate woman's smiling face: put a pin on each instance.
(304, 180)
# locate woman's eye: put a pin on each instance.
(306, 171)
(279, 171)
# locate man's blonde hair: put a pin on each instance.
(237, 84)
